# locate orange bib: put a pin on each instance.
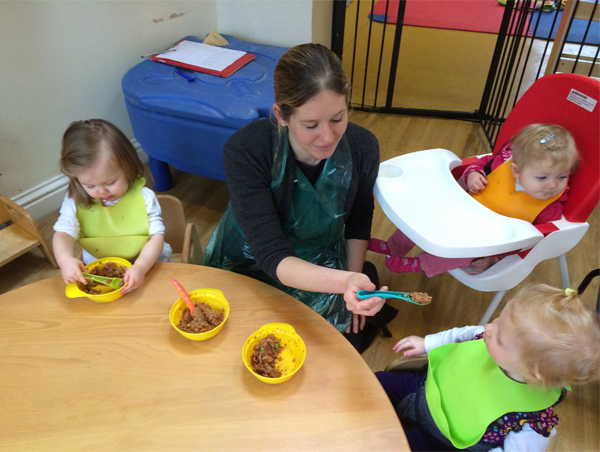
(501, 196)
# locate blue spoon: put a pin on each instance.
(406, 296)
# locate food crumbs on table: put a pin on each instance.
(265, 356)
(205, 319)
(110, 270)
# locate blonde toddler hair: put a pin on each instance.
(557, 335)
(540, 142)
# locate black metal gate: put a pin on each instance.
(511, 60)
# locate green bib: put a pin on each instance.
(120, 230)
(466, 391)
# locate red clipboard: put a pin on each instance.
(240, 62)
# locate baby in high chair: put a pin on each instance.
(499, 393)
(526, 179)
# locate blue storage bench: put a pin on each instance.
(187, 123)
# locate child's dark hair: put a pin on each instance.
(558, 336)
(80, 149)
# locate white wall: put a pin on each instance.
(283, 23)
(62, 61)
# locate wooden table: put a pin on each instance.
(80, 375)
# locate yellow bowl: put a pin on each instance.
(107, 294)
(292, 354)
(212, 297)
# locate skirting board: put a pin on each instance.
(48, 196)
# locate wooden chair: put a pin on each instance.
(415, 363)
(181, 235)
(20, 234)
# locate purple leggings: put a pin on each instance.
(397, 386)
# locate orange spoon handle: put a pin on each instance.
(184, 295)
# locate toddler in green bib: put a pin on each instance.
(107, 208)
(494, 387)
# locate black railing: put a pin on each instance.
(518, 60)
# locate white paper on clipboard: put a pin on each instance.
(203, 55)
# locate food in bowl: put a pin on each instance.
(266, 355)
(205, 319)
(291, 348)
(110, 270)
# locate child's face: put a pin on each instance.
(104, 180)
(542, 180)
(499, 337)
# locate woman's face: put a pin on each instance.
(317, 126)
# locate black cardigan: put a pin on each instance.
(248, 158)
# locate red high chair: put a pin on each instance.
(453, 224)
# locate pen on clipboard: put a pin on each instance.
(185, 76)
(158, 53)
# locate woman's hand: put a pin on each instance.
(476, 182)
(370, 306)
(358, 323)
(71, 270)
(412, 345)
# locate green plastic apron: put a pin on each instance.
(315, 227)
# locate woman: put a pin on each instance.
(302, 193)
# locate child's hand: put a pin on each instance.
(71, 270)
(476, 182)
(134, 278)
(412, 345)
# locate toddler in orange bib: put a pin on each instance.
(527, 179)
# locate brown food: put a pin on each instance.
(265, 356)
(109, 270)
(205, 319)
(420, 297)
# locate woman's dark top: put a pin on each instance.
(248, 158)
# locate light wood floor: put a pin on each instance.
(453, 305)
(437, 69)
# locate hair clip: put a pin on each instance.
(570, 291)
(546, 138)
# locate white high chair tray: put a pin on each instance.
(418, 193)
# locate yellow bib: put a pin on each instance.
(120, 230)
(466, 391)
(501, 196)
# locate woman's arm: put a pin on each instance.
(248, 160)
(295, 272)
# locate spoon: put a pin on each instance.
(418, 298)
(115, 283)
(185, 296)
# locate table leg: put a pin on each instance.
(161, 174)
